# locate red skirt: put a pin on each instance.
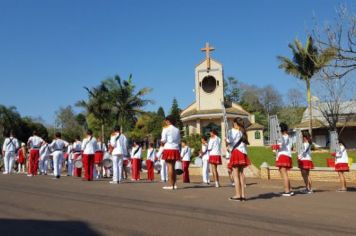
(215, 160)
(21, 159)
(98, 158)
(239, 159)
(229, 166)
(342, 167)
(305, 164)
(284, 161)
(171, 155)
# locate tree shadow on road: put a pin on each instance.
(16, 227)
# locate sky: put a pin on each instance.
(50, 50)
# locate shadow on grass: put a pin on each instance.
(16, 227)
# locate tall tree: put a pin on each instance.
(294, 98)
(232, 90)
(160, 112)
(67, 122)
(175, 113)
(305, 63)
(270, 99)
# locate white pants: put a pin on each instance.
(164, 170)
(205, 171)
(9, 161)
(70, 166)
(43, 164)
(57, 163)
(117, 164)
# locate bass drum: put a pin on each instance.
(157, 166)
(107, 163)
(178, 168)
(198, 162)
(143, 165)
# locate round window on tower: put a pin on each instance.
(209, 84)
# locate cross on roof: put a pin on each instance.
(207, 51)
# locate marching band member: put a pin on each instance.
(89, 146)
(204, 154)
(151, 156)
(9, 150)
(22, 157)
(70, 153)
(57, 146)
(99, 155)
(164, 170)
(284, 159)
(77, 151)
(214, 147)
(237, 139)
(44, 156)
(136, 153)
(229, 165)
(171, 139)
(185, 155)
(305, 162)
(342, 165)
(118, 150)
(125, 167)
(34, 142)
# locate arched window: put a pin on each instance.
(257, 135)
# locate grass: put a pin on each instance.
(258, 155)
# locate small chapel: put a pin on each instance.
(207, 112)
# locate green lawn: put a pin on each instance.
(258, 155)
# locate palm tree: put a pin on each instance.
(306, 62)
(127, 103)
(99, 105)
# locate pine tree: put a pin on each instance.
(175, 113)
(160, 112)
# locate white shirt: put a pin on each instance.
(89, 145)
(77, 146)
(44, 150)
(151, 154)
(306, 154)
(214, 146)
(185, 153)
(101, 147)
(285, 146)
(10, 145)
(233, 136)
(205, 153)
(171, 138)
(58, 145)
(119, 144)
(35, 142)
(341, 156)
(136, 152)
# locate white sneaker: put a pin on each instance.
(168, 188)
(217, 185)
(5, 173)
(29, 175)
(175, 187)
(289, 194)
(113, 182)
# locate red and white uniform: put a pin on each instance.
(304, 158)
(205, 159)
(99, 153)
(35, 143)
(136, 153)
(77, 149)
(238, 156)
(44, 155)
(171, 139)
(342, 159)
(164, 170)
(284, 157)
(9, 148)
(58, 146)
(89, 146)
(151, 156)
(118, 143)
(214, 147)
(185, 155)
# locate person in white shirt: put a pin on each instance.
(99, 156)
(150, 160)
(171, 138)
(77, 152)
(34, 143)
(237, 140)
(136, 153)
(204, 154)
(305, 162)
(284, 159)
(44, 156)
(342, 165)
(214, 147)
(118, 150)
(57, 146)
(89, 146)
(9, 151)
(70, 162)
(164, 169)
(185, 155)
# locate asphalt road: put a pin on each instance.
(69, 206)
